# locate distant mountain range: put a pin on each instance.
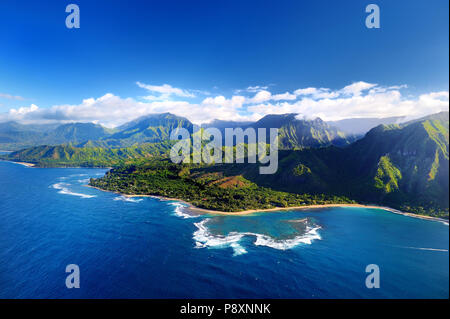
(401, 165)
(294, 133)
(360, 126)
(15, 136)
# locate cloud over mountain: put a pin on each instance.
(359, 99)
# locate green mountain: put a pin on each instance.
(87, 156)
(14, 136)
(295, 133)
(404, 166)
(147, 129)
(76, 133)
(156, 128)
(401, 166)
(396, 165)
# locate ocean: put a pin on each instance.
(151, 248)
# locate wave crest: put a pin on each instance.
(179, 211)
(128, 199)
(63, 189)
(204, 238)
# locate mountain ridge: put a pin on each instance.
(405, 166)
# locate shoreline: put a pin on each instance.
(23, 163)
(26, 164)
(35, 165)
(252, 211)
(276, 209)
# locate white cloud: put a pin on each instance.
(235, 102)
(306, 91)
(24, 110)
(284, 96)
(165, 90)
(382, 104)
(357, 88)
(321, 93)
(359, 99)
(261, 96)
(253, 89)
(11, 97)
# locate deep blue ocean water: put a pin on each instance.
(149, 248)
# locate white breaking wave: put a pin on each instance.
(307, 238)
(83, 181)
(63, 189)
(128, 199)
(179, 211)
(204, 238)
(237, 249)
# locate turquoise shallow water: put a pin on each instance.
(148, 248)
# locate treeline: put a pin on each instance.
(163, 178)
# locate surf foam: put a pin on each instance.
(204, 238)
(63, 189)
(179, 211)
(128, 199)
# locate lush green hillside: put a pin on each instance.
(295, 133)
(402, 166)
(210, 191)
(147, 129)
(15, 136)
(69, 155)
(76, 133)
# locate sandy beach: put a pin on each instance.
(24, 164)
(198, 210)
(247, 212)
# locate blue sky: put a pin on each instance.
(214, 49)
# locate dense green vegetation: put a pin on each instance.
(402, 166)
(72, 156)
(387, 176)
(211, 191)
